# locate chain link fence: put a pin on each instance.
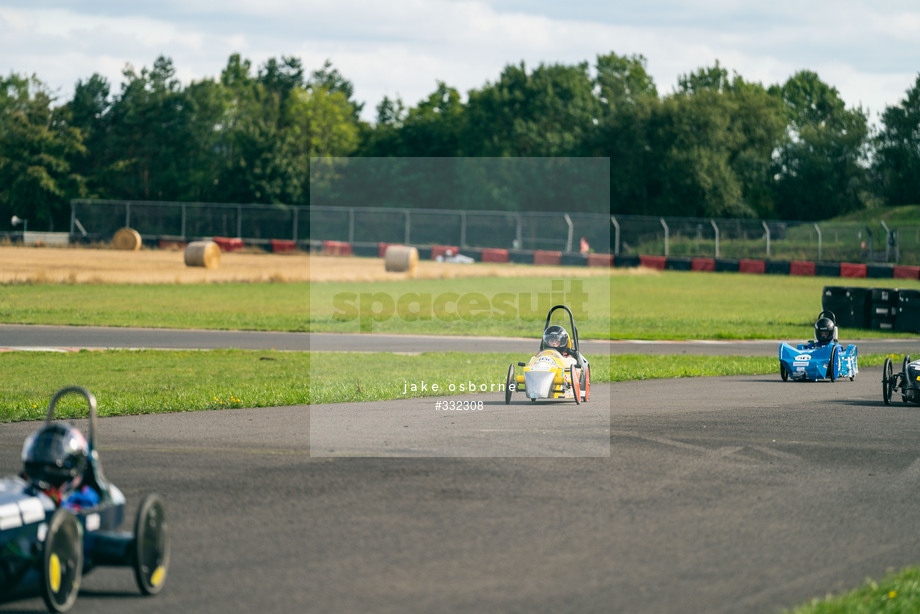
(621, 235)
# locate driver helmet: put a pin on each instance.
(55, 457)
(555, 337)
(824, 330)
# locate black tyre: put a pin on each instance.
(831, 365)
(62, 561)
(151, 545)
(903, 379)
(783, 373)
(575, 389)
(587, 382)
(509, 381)
(886, 382)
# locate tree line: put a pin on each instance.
(716, 146)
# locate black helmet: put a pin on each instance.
(55, 456)
(555, 337)
(824, 330)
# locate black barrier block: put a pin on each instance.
(909, 299)
(776, 267)
(827, 269)
(626, 262)
(520, 257)
(366, 250)
(907, 320)
(884, 295)
(882, 324)
(678, 264)
(424, 253)
(879, 271)
(573, 260)
(726, 265)
(859, 307)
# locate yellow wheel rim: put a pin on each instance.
(157, 578)
(54, 573)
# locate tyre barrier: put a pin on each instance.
(401, 259)
(127, 239)
(202, 253)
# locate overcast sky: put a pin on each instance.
(868, 50)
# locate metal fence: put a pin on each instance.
(616, 234)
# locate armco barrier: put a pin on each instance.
(798, 267)
(751, 266)
(602, 260)
(653, 262)
(702, 264)
(903, 271)
(546, 257)
(848, 269)
(490, 254)
(226, 244)
(336, 248)
(441, 250)
(280, 246)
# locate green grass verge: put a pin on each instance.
(160, 381)
(670, 305)
(897, 593)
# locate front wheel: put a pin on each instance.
(904, 379)
(886, 382)
(574, 380)
(509, 382)
(783, 373)
(62, 561)
(151, 545)
(832, 365)
(587, 382)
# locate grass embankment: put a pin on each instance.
(897, 593)
(158, 381)
(668, 305)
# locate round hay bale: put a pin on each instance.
(127, 239)
(401, 259)
(202, 253)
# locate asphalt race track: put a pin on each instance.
(729, 494)
(16, 337)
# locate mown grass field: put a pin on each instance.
(666, 305)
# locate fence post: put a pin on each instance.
(667, 238)
(183, 222)
(351, 225)
(408, 225)
(73, 216)
(462, 229)
(295, 219)
(519, 234)
(616, 236)
(568, 243)
(239, 222)
(818, 230)
(127, 215)
(766, 230)
(716, 229)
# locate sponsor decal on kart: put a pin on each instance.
(803, 357)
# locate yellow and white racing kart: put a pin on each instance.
(553, 373)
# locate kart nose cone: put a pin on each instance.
(539, 383)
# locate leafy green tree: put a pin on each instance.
(37, 147)
(550, 111)
(628, 99)
(820, 168)
(897, 147)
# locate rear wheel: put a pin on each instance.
(587, 382)
(783, 373)
(151, 545)
(832, 365)
(886, 382)
(904, 379)
(62, 561)
(509, 382)
(574, 380)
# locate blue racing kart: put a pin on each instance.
(821, 359)
(46, 546)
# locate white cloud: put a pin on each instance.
(403, 47)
